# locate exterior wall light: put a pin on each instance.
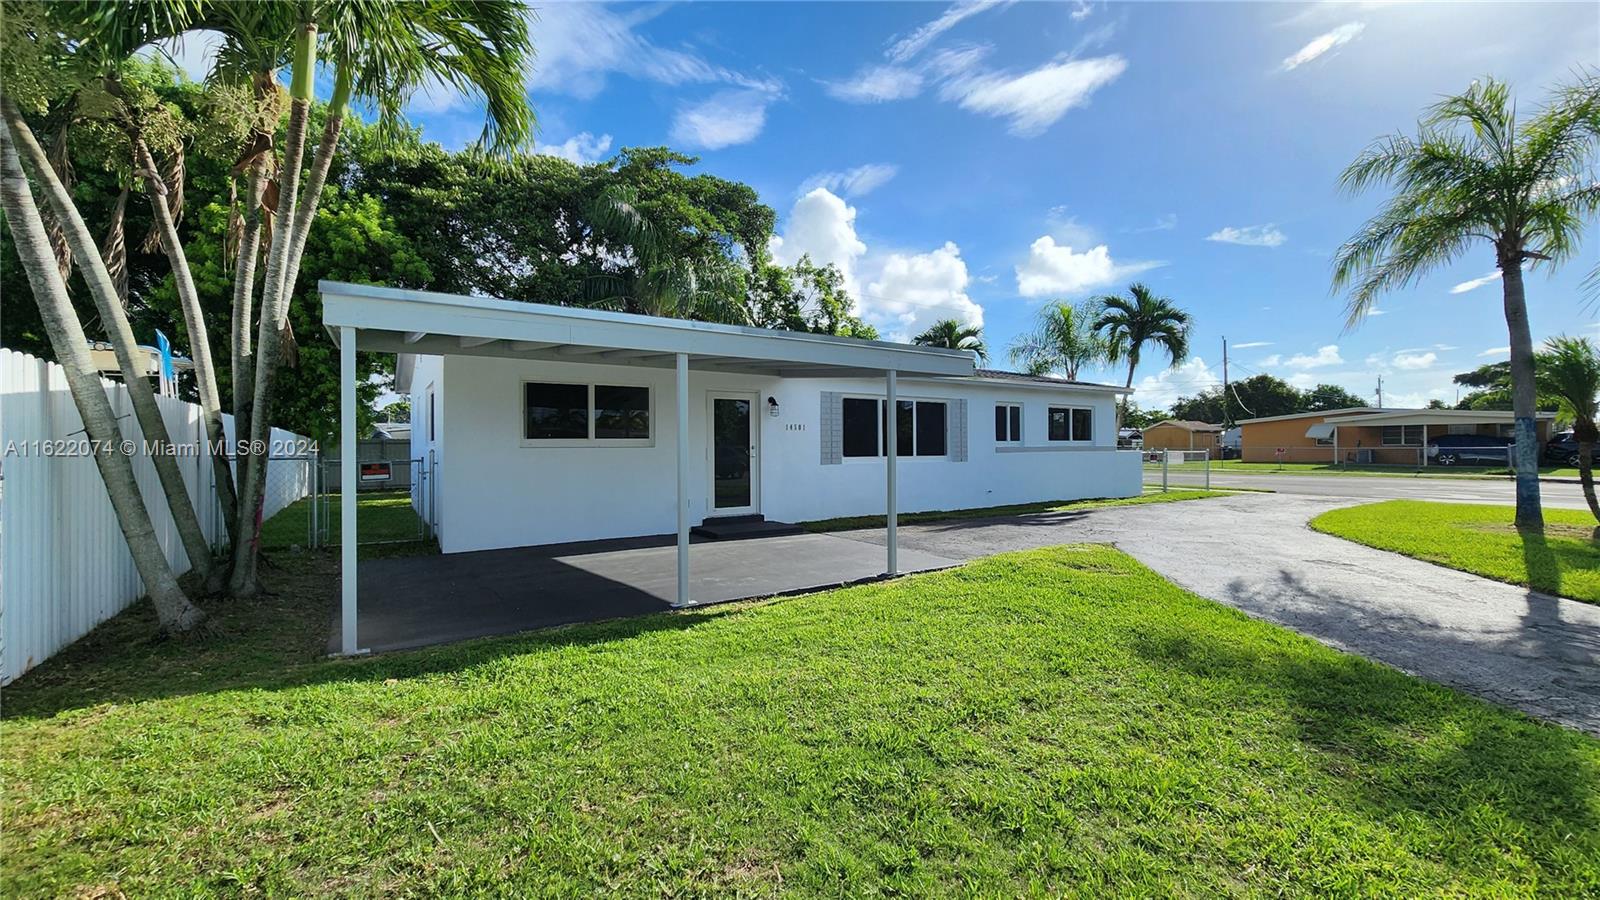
(772, 407)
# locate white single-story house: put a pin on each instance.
(546, 424)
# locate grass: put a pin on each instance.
(846, 523)
(1223, 467)
(1054, 722)
(1564, 560)
(380, 516)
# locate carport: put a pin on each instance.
(392, 320)
(1440, 421)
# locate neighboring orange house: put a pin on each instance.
(1367, 435)
(1182, 434)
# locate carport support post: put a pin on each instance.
(347, 489)
(891, 425)
(682, 392)
(1424, 451)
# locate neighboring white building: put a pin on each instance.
(544, 424)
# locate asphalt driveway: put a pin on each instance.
(1538, 653)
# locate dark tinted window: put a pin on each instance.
(1001, 421)
(860, 427)
(903, 430)
(930, 429)
(1059, 425)
(621, 412)
(1016, 423)
(556, 411)
(1083, 424)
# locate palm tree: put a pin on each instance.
(381, 52)
(1128, 323)
(1063, 340)
(655, 279)
(67, 339)
(1568, 372)
(1475, 173)
(952, 334)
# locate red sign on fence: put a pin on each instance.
(376, 471)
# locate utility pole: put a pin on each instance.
(1380, 392)
(1227, 409)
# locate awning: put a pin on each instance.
(1321, 431)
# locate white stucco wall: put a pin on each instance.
(497, 492)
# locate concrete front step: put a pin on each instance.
(734, 528)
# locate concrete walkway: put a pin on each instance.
(1524, 649)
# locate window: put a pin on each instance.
(860, 427)
(1402, 435)
(431, 430)
(556, 414)
(921, 428)
(1008, 423)
(621, 412)
(1069, 423)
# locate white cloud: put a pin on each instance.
(581, 149)
(1160, 390)
(912, 291)
(1323, 43)
(1266, 235)
(1165, 222)
(1273, 360)
(580, 44)
(1248, 344)
(1033, 100)
(851, 182)
(914, 43)
(193, 52)
(876, 84)
(823, 226)
(1415, 361)
(1496, 351)
(900, 293)
(1053, 269)
(1325, 356)
(1081, 10)
(726, 118)
(1475, 283)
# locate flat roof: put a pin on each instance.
(1323, 412)
(1434, 417)
(398, 320)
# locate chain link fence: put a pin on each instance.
(395, 501)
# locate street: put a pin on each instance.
(1383, 487)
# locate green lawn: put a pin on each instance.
(1565, 560)
(380, 516)
(845, 523)
(1056, 722)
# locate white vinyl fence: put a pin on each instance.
(64, 566)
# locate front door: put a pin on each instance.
(735, 488)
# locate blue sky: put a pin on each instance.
(976, 159)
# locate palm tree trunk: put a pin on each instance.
(1586, 476)
(274, 306)
(243, 344)
(115, 319)
(173, 609)
(194, 321)
(1523, 401)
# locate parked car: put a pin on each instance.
(1563, 448)
(1470, 450)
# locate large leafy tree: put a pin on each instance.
(953, 334)
(1063, 340)
(1254, 397)
(1568, 372)
(1326, 397)
(1475, 175)
(805, 297)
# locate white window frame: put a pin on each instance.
(591, 440)
(1383, 436)
(903, 454)
(1072, 437)
(1012, 439)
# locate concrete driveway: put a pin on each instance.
(1524, 649)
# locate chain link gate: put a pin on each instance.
(395, 499)
(1177, 469)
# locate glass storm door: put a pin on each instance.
(733, 454)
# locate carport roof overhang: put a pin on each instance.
(395, 320)
(1432, 417)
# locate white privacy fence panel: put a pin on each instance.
(64, 566)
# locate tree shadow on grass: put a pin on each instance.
(277, 642)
